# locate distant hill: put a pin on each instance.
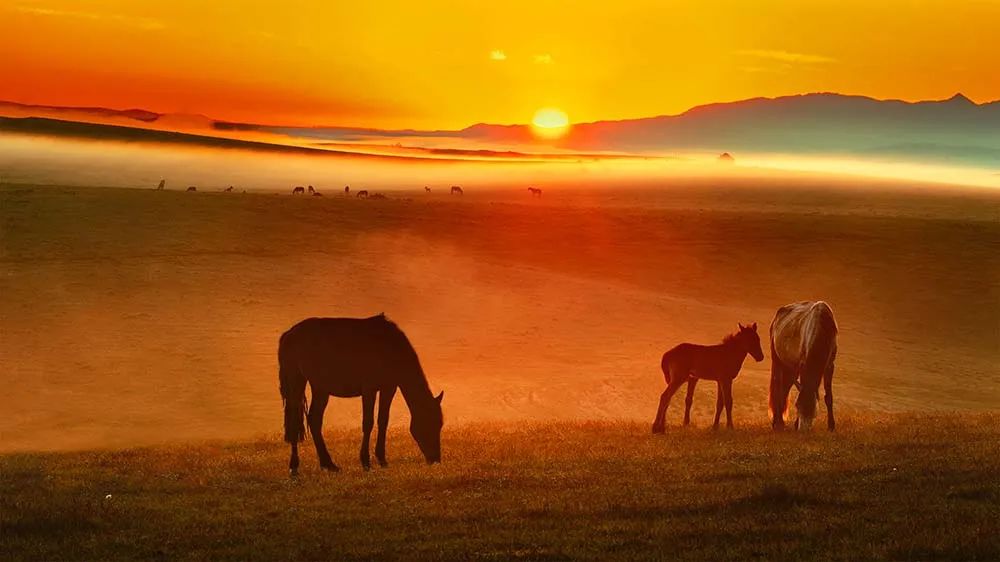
(955, 130)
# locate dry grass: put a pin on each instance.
(897, 487)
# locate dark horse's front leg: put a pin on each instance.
(384, 402)
(316, 410)
(367, 423)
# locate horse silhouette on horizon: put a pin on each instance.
(456, 190)
(363, 194)
(228, 189)
(688, 363)
(535, 192)
(191, 188)
(299, 190)
(803, 352)
(347, 358)
(161, 185)
(347, 190)
(427, 189)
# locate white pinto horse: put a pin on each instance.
(803, 350)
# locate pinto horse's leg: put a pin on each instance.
(828, 398)
(720, 400)
(315, 417)
(367, 423)
(384, 402)
(688, 400)
(660, 423)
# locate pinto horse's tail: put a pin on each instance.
(292, 386)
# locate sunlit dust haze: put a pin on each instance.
(449, 64)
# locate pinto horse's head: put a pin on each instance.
(425, 427)
(751, 341)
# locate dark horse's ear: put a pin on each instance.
(754, 326)
(439, 397)
(742, 327)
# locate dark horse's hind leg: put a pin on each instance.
(660, 423)
(688, 400)
(319, 400)
(384, 402)
(720, 401)
(728, 387)
(367, 424)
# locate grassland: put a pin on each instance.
(900, 487)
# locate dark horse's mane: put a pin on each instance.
(731, 337)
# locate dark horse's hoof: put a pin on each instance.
(659, 429)
(331, 467)
(382, 463)
(293, 473)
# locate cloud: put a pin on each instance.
(785, 56)
(543, 59)
(135, 21)
(498, 55)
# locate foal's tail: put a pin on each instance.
(292, 385)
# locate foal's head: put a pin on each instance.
(749, 341)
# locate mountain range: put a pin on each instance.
(956, 129)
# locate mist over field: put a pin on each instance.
(135, 316)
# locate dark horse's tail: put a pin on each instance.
(292, 385)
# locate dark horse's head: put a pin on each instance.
(748, 338)
(425, 427)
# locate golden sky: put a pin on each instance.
(448, 64)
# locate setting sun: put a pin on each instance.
(550, 122)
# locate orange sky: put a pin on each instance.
(447, 64)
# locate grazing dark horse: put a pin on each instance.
(803, 351)
(311, 190)
(347, 190)
(535, 191)
(427, 189)
(363, 194)
(192, 188)
(299, 189)
(228, 189)
(456, 190)
(350, 357)
(161, 185)
(688, 362)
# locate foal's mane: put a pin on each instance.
(731, 337)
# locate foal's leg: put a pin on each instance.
(688, 400)
(384, 402)
(315, 418)
(728, 387)
(367, 423)
(719, 401)
(293, 463)
(660, 423)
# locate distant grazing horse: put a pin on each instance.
(688, 362)
(192, 188)
(457, 190)
(299, 190)
(535, 191)
(350, 357)
(427, 189)
(363, 194)
(347, 190)
(162, 184)
(803, 351)
(311, 190)
(228, 189)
